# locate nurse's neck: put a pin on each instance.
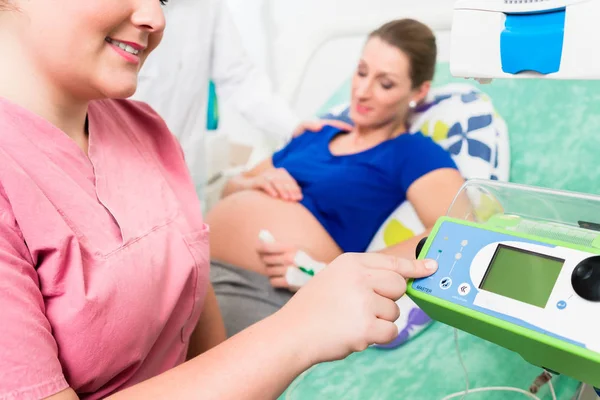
(22, 84)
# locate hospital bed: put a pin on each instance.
(312, 51)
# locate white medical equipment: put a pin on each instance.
(547, 39)
(519, 266)
(551, 39)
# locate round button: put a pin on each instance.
(464, 243)
(464, 289)
(420, 246)
(445, 283)
(586, 279)
(458, 256)
(561, 305)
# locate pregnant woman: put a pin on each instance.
(328, 192)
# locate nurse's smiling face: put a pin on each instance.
(90, 48)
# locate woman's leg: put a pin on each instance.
(244, 297)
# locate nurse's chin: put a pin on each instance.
(119, 91)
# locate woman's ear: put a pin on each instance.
(421, 92)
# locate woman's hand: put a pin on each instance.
(315, 126)
(277, 182)
(277, 258)
(351, 304)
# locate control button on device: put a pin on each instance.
(420, 246)
(561, 305)
(586, 279)
(445, 283)
(464, 289)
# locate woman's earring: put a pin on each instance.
(412, 104)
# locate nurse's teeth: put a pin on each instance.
(125, 47)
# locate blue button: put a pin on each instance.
(561, 305)
(445, 283)
(539, 35)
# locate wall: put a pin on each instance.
(294, 21)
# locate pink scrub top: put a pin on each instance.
(103, 260)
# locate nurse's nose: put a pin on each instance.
(148, 15)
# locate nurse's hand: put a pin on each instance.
(277, 182)
(315, 126)
(351, 304)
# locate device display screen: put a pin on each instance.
(522, 275)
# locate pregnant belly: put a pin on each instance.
(237, 219)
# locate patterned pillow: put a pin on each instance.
(461, 119)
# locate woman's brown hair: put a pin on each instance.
(417, 41)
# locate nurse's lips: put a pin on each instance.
(130, 51)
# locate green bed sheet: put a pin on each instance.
(425, 368)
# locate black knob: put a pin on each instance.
(586, 279)
(420, 246)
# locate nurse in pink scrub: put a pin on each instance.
(104, 287)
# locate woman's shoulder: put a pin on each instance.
(418, 149)
(325, 130)
(313, 137)
(426, 150)
(418, 141)
(420, 138)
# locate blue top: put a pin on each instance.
(352, 195)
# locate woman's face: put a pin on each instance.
(90, 48)
(381, 87)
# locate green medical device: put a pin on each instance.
(519, 266)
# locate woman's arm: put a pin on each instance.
(244, 180)
(210, 330)
(430, 196)
(276, 182)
